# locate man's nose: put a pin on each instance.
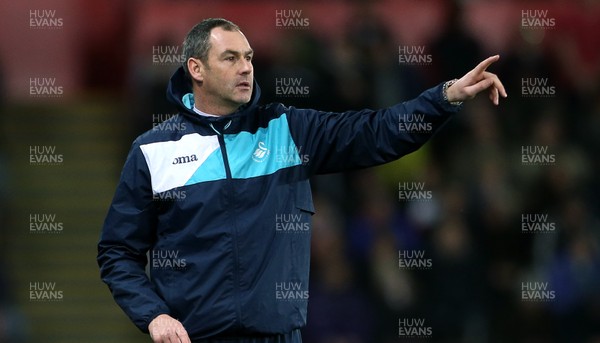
(246, 67)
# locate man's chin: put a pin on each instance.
(243, 100)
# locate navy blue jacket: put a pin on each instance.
(210, 222)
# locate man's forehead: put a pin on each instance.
(222, 40)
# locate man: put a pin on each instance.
(223, 204)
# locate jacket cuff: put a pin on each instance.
(446, 106)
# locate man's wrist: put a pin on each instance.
(445, 87)
(155, 317)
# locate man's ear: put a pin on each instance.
(196, 69)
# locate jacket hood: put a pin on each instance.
(179, 92)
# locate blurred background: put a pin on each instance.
(505, 236)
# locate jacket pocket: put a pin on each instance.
(303, 199)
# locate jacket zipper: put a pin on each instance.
(231, 200)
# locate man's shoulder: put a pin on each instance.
(276, 109)
(169, 129)
(268, 109)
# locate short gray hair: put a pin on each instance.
(197, 42)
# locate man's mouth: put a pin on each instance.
(244, 84)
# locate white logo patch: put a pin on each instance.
(173, 163)
(261, 152)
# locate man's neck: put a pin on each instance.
(204, 114)
(212, 109)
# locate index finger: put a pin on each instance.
(483, 65)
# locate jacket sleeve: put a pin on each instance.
(128, 233)
(334, 142)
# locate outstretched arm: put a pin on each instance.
(337, 142)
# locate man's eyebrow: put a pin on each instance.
(237, 53)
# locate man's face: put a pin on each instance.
(228, 73)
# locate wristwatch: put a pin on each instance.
(447, 85)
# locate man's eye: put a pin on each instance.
(248, 58)
(230, 58)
